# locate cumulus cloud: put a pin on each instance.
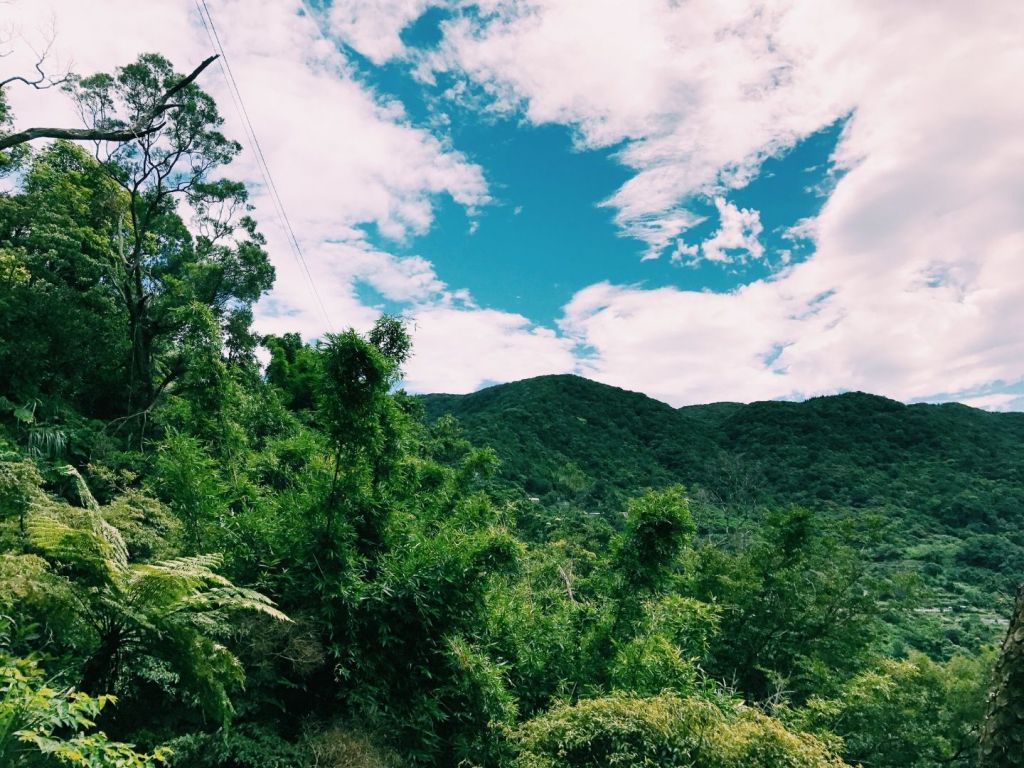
(916, 283)
(737, 235)
(1006, 401)
(916, 279)
(460, 350)
(684, 347)
(698, 94)
(374, 27)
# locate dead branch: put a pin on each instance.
(143, 127)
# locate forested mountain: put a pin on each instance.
(209, 563)
(946, 482)
(585, 441)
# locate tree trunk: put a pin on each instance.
(1002, 733)
(100, 671)
(141, 393)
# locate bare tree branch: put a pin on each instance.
(75, 134)
(42, 81)
(143, 127)
(187, 81)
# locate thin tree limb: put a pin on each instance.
(143, 127)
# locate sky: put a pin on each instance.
(702, 200)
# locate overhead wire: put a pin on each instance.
(261, 161)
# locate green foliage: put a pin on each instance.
(341, 746)
(658, 526)
(294, 369)
(944, 476)
(148, 527)
(800, 605)
(481, 703)
(664, 731)
(354, 388)
(40, 725)
(60, 330)
(539, 625)
(651, 664)
(187, 477)
(11, 158)
(439, 694)
(160, 297)
(169, 612)
(666, 653)
(908, 713)
(19, 486)
(390, 336)
(563, 437)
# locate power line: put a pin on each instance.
(261, 160)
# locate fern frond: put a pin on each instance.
(93, 545)
(200, 567)
(79, 489)
(232, 598)
(170, 610)
(47, 442)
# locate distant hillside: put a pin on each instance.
(579, 439)
(951, 476)
(961, 465)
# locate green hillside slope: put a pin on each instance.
(574, 438)
(960, 465)
(947, 479)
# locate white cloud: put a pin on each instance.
(374, 27)
(683, 346)
(1005, 401)
(686, 253)
(916, 285)
(700, 92)
(737, 235)
(460, 350)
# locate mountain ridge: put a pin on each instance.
(948, 476)
(712, 404)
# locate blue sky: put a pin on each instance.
(702, 201)
(550, 204)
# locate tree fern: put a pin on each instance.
(173, 611)
(80, 540)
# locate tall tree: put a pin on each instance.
(172, 285)
(800, 600)
(361, 420)
(61, 329)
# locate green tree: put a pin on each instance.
(663, 731)
(61, 332)
(906, 713)
(169, 284)
(170, 614)
(294, 369)
(800, 606)
(188, 479)
(145, 124)
(658, 527)
(363, 422)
